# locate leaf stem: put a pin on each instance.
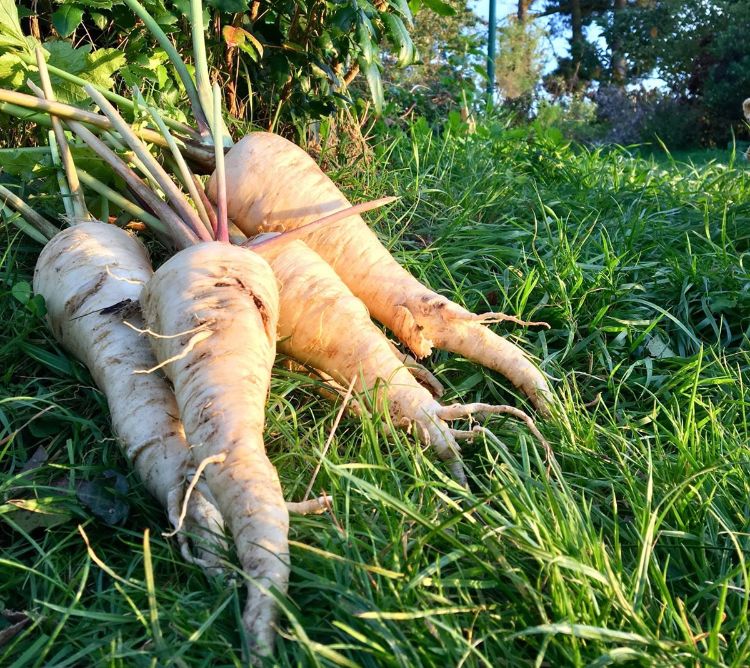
(80, 212)
(155, 29)
(39, 223)
(304, 230)
(122, 202)
(222, 232)
(22, 224)
(173, 193)
(187, 176)
(180, 233)
(61, 181)
(11, 102)
(119, 100)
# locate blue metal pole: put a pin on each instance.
(491, 46)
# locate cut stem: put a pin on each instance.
(187, 177)
(181, 235)
(39, 223)
(122, 202)
(15, 103)
(113, 97)
(155, 29)
(80, 212)
(186, 213)
(61, 181)
(22, 224)
(222, 231)
(202, 82)
(209, 208)
(304, 230)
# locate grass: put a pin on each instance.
(631, 545)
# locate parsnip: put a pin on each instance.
(314, 305)
(273, 185)
(87, 274)
(215, 308)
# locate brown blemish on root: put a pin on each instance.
(74, 304)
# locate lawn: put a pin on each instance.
(629, 544)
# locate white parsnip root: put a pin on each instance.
(221, 384)
(291, 191)
(87, 274)
(313, 299)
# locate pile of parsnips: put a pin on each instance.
(212, 318)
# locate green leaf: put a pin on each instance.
(37, 306)
(400, 39)
(67, 19)
(58, 363)
(21, 291)
(11, 35)
(439, 7)
(230, 6)
(372, 73)
(100, 20)
(102, 64)
(402, 7)
(243, 40)
(12, 71)
(32, 514)
(344, 18)
(94, 4)
(106, 497)
(365, 39)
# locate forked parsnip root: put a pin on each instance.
(221, 385)
(291, 191)
(86, 274)
(315, 307)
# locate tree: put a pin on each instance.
(519, 62)
(584, 63)
(451, 58)
(701, 49)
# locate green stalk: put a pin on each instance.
(122, 202)
(130, 157)
(184, 171)
(173, 193)
(18, 220)
(155, 29)
(39, 223)
(180, 233)
(202, 79)
(222, 230)
(61, 182)
(18, 104)
(113, 97)
(58, 109)
(104, 202)
(100, 188)
(25, 114)
(80, 211)
(207, 206)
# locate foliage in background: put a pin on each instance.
(518, 64)
(702, 51)
(277, 61)
(450, 73)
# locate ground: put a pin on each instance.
(629, 544)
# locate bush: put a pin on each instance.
(639, 116)
(574, 116)
(275, 60)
